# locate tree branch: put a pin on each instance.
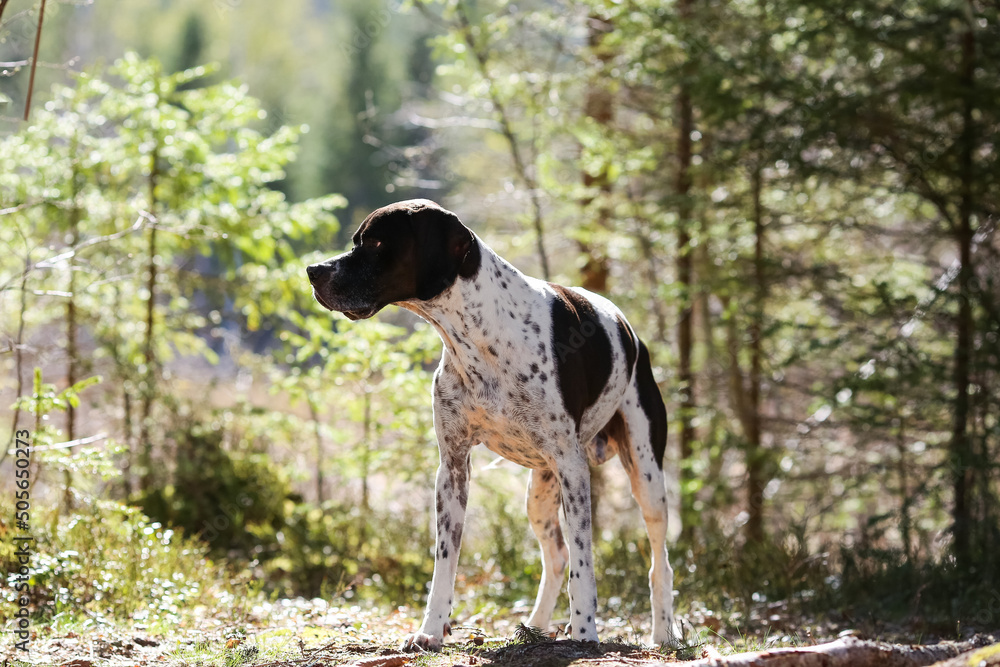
(34, 61)
(848, 652)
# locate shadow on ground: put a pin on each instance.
(566, 652)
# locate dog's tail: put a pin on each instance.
(652, 404)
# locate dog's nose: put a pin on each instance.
(313, 271)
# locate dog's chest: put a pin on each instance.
(510, 403)
(508, 436)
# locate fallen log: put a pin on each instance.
(984, 657)
(847, 652)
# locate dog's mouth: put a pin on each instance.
(360, 314)
(352, 314)
(344, 299)
(318, 295)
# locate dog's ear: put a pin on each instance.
(446, 250)
(467, 250)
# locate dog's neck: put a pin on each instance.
(476, 316)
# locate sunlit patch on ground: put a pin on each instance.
(314, 633)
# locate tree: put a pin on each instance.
(928, 141)
(192, 170)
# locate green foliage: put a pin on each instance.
(193, 173)
(45, 399)
(225, 498)
(111, 562)
(370, 374)
(189, 164)
(526, 634)
(333, 550)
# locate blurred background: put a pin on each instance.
(794, 201)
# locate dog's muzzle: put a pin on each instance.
(322, 276)
(319, 277)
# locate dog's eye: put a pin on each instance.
(371, 243)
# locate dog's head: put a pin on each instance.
(411, 250)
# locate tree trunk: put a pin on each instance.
(599, 106)
(146, 459)
(127, 428)
(961, 453)
(754, 530)
(685, 376)
(314, 415)
(71, 351)
(366, 456)
(905, 526)
(703, 266)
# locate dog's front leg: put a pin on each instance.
(450, 499)
(574, 478)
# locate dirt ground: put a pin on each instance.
(304, 633)
(99, 650)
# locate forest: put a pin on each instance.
(794, 202)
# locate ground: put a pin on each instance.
(310, 633)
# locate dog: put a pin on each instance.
(549, 377)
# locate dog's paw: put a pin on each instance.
(421, 641)
(665, 634)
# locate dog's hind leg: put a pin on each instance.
(642, 457)
(543, 513)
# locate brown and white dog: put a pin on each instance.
(546, 376)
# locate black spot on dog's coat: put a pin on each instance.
(582, 351)
(652, 404)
